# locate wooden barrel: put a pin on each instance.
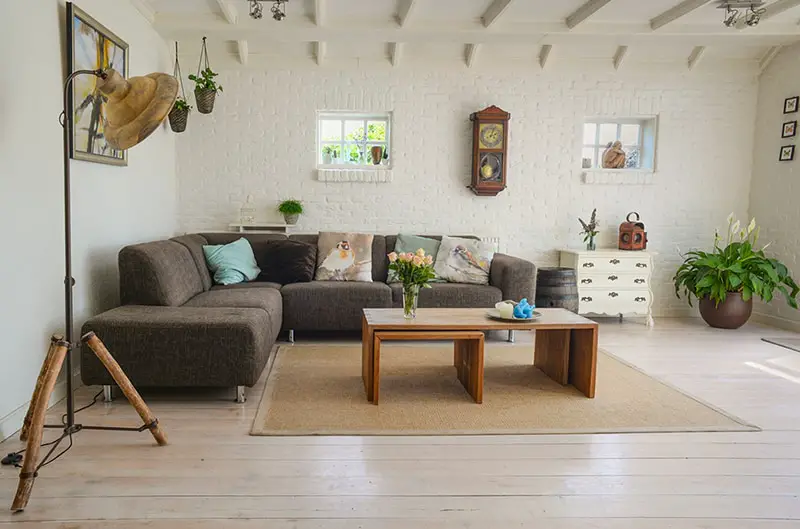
(557, 287)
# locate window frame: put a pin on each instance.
(364, 144)
(598, 148)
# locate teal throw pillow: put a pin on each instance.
(231, 263)
(411, 243)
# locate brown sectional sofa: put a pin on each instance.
(176, 328)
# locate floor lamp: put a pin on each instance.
(135, 108)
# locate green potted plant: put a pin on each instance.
(205, 90)
(329, 153)
(291, 210)
(726, 279)
(179, 115)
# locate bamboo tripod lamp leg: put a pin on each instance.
(26, 425)
(48, 381)
(125, 385)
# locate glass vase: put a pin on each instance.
(410, 301)
(590, 244)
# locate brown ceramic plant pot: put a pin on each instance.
(730, 314)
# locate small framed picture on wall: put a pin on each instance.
(787, 153)
(789, 129)
(791, 104)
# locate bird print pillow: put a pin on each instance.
(344, 257)
(464, 261)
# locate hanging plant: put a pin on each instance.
(205, 89)
(179, 115)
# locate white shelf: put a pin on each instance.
(261, 227)
(618, 176)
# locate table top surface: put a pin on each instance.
(469, 319)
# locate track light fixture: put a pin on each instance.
(738, 12)
(278, 9)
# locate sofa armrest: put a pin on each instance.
(514, 276)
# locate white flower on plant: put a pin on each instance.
(392, 257)
(421, 252)
(417, 260)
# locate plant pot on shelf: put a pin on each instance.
(327, 159)
(205, 99)
(730, 314)
(291, 218)
(178, 117)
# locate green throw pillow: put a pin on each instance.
(231, 263)
(411, 243)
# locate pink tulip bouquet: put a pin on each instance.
(415, 270)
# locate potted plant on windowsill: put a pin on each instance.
(179, 115)
(726, 279)
(291, 210)
(329, 154)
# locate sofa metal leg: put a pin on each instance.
(511, 336)
(240, 398)
(291, 335)
(108, 396)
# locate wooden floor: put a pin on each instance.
(213, 475)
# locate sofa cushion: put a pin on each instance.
(464, 260)
(232, 263)
(380, 264)
(344, 257)
(331, 305)
(194, 243)
(451, 295)
(411, 243)
(287, 262)
(157, 273)
(267, 299)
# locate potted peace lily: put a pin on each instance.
(415, 270)
(726, 279)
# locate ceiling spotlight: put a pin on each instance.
(278, 9)
(256, 10)
(753, 16)
(731, 15)
(742, 12)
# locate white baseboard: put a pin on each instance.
(776, 321)
(11, 423)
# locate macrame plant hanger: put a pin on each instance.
(204, 96)
(179, 115)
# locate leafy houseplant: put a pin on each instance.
(726, 279)
(329, 153)
(179, 115)
(291, 210)
(415, 270)
(589, 230)
(205, 90)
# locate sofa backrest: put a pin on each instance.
(158, 273)
(380, 264)
(194, 243)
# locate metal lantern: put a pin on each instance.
(632, 235)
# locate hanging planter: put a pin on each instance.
(179, 115)
(205, 89)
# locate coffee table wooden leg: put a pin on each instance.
(469, 368)
(376, 369)
(551, 353)
(366, 357)
(583, 360)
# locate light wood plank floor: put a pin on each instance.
(214, 475)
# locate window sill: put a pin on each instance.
(618, 176)
(361, 173)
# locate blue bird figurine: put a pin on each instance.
(523, 310)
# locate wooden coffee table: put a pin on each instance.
(565, 347)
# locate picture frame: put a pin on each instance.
(787, 153)
(789, 129)
(91, 46)
(790, 105)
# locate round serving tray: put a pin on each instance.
(495, 315)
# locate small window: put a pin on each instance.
(636, 137)
(350, 139)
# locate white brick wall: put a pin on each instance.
(260, 141)
(776, 185)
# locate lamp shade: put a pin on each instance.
(136, 106)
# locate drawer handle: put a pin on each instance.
(640, 299)
(641, 265)
(612, 278)
(614, 261)
(586, 281)
(612, 294)
(638, 281)
(588, 265)
(587, 298)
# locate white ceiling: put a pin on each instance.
(327, 32)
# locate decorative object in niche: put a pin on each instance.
(632, 235)
(377, 154)
(614, 156)
(489, 151)
(789, 129)
(247, 213)
(590, 231)
(787, 153)
(346, 139)
(291, 210)
(206, 88)
(790, 105)
(179, 115)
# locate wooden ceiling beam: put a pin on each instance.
(674, 13)
(395, 52)
(585, 11)
(146, 9)
(695, 56)
(765, 61)
(228, 11)
(544, 55)
(471, 54)
(771, 10)
(242, 51)
(619, 56)
(404, 10)
(319, 12)
(320, 50)
(494, 11)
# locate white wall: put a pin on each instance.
(261, 141)
(113, 206)
(776, 185)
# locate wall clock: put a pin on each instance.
(489, 151)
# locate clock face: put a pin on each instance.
(491, 136)
(491, 168)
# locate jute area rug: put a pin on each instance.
(317, 390)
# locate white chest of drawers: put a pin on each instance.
(612, 282)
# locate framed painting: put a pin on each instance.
(91, 46)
